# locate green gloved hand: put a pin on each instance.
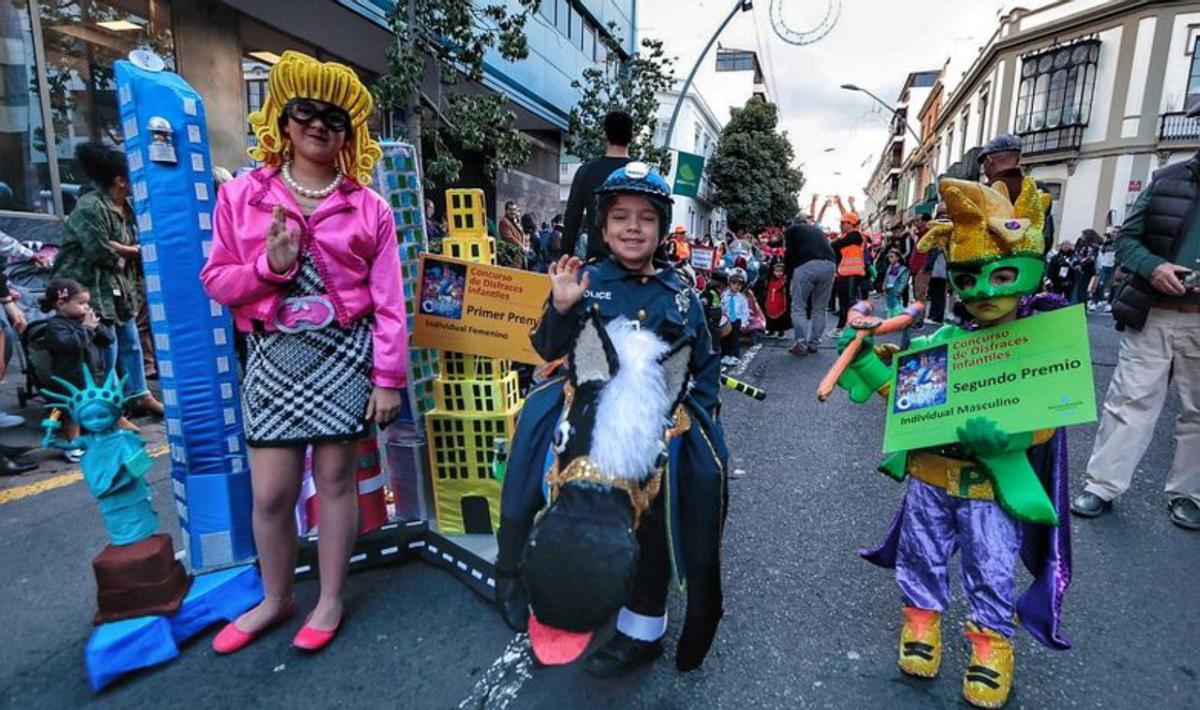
(1004, 460)
(866, 373)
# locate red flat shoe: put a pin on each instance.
(313, 640)
(231, 639)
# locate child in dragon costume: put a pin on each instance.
(994, 495)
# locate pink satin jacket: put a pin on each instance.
(352, 240)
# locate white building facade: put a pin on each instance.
(696, 131)
(1095, 88)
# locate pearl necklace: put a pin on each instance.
(299, 189)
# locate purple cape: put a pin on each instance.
(1046, 551)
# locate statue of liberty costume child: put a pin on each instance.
(995, 495)
(625, 438)
(137, 573)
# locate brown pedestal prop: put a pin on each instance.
(141, 579)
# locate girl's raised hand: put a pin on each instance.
(283, 244)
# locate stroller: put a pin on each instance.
(35, 358)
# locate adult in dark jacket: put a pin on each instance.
(1159, 307)
(1061, 270)
(809, 259)
(581, 215)
(1087, 251)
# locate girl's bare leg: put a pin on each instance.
(334, 466)
(275, 475)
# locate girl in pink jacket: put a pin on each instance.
(306, 259)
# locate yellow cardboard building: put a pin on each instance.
(476, 399)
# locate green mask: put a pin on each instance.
(1007, 276)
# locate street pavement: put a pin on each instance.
(808, 623)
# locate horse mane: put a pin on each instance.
(634, 405)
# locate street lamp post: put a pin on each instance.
(738, 6)
(889, 107)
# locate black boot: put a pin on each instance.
(513, 602)
(510, 591)
(621, 656)
(15, 466)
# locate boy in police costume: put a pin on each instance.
(634, 205)
(994, 495)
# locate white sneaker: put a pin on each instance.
(73, 455)
(729, 360)
(1091, 308)
(1108, 308)
(8, 421)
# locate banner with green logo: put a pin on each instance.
(1034, 373)
(688, 170)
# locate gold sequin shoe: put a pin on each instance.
(921, 642)
(989, 675)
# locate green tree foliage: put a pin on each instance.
(630, 85)
(450, 38)
(751, 171)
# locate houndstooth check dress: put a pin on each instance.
(311, 385)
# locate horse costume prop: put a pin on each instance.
(621, 411)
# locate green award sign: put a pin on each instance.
(1034, 373)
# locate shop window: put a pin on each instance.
(83, 38)
(24, 155)
(1054, 98)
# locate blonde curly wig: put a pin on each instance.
(299, 76)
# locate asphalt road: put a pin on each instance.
(809, 624)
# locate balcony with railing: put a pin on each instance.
(1052, 140)
(1177, 129)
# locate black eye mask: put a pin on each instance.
(304, 112)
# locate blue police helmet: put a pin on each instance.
(637, 178)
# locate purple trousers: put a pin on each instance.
(988, 540)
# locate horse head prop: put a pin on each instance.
(611, 448)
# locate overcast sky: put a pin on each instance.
(875, 44)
